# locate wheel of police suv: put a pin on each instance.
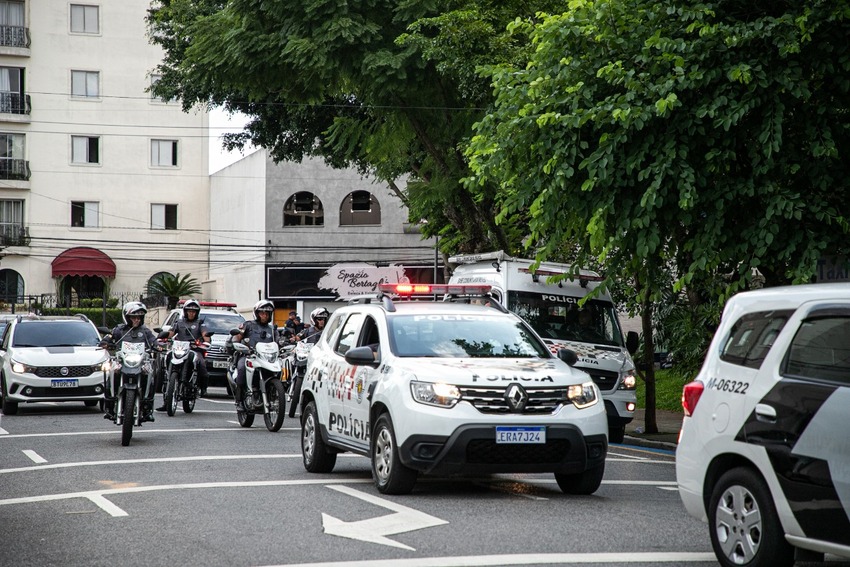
(317, 457)
(9, 407)
(390, 475)
(586, 482)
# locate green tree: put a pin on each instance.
(389, 88)
(174, 287)
(678, 143)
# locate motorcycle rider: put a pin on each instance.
(312, 334)
(191, 328)
(133, 330)
(260, 330)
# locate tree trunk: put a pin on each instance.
(650, 423)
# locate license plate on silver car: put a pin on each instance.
(63, 383)
(521, 435)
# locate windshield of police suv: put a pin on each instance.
(222, 322)
(461, 336)
(559, 317)
(54, 334)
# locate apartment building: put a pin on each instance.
(102, 187)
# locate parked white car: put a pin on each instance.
(764, 454)
(50, 359)
(448, 388)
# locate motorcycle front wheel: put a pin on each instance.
(277, 405)
(188, 399)
(129, 417)
(170, 397)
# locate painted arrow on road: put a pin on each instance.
(375, 530)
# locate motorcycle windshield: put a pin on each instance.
(180, 347)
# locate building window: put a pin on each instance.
(13, 31)
(11, 222)
(12, 99)
(359, 208)
(164, 217)
(85, 214)
(85, 19)
(85, 149)
(12, 162)
(303, 209)
(154, 80)
(85, 84)
(164, 153)
(11, 286)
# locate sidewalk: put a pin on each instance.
(668, 422)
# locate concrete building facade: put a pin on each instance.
(101, 186)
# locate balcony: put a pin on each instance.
(14, 103)
(14, 169)
(14, 36)
(14, 234)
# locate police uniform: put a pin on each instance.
(192, 331)
(141, 334)
(255, 333)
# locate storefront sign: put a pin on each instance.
(347, 280)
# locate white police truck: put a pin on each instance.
(592, 331)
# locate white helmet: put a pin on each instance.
(263, 305)
(133, 308)
(191, 305)
(319, 313)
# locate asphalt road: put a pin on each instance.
(200, 490)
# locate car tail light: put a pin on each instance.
(690, 396)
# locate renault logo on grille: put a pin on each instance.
(516, 397)
(63, 371)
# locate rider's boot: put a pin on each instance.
(147, 414)
(240, 398)
(109, 410)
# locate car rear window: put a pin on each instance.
(54, 333)
(222, 323)
(461, 336)
(752, 336)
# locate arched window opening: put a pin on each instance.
(303, 209)
(359, 208)
(11, 286)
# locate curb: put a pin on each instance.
(649, 443)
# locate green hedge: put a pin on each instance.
(113, 316)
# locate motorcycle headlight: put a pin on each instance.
(628, 382)
(21, 368)
(133, 360)
(435, 394)
(582, 395)
(269, 356)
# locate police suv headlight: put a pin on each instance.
(582, 395)
(21, 368)
(628, 381)
(106, 366)
(435, 394)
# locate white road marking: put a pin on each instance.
(142, 431)
(36, 458)
(162, 460)
(635, 457)
(3, 431)
(94, 495)
(671, 488)
(374, 530)
(525, 559)
(641, 461)
(107, 506)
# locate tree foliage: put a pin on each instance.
(173, 287)
(390, 88)
(679, 138)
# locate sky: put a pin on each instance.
(221, 123)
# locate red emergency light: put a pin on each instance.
(209, 303)
(434, 289)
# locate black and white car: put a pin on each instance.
(50, 359)
(448, 388)
(764, 451)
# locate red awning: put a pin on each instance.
(83, 261)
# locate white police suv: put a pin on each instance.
(764, 451)
(446, 388)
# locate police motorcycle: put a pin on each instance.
(265, 393)
(128, 364)
(181, 383)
